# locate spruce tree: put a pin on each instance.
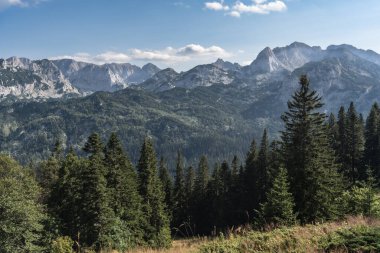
(279, 206)
(372, 141)
(341, 149)
(236, 198)
(97, 216)
(355, 145)
(189, 182)
(262, 173)
(190, 198)
(201, 207)
(167, 184)
(156, 227)
(124, 197)
(216, 199)
(65, 200)
(179, 195)
(333, 132)
(47, 171)
(308, 157)
(202, 177)
(249, 179)
(235, 169)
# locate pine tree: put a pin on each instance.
(333, 133)
(201, 207)
(308, 157)
(190, 182)
(275, 159)
(372, 141)
(94, 145)
(249, 178)
(355, 144)
(65, 200)
(123, 194)
(236, 198)
(262, 173)
(342, 139)
(179, 195)
(225, 177)
(235, 170)
(190, 198)
(167, 184)
(47, 171)
(97, 216)
(216, 199)
(156, 227)
(202, 178)
(279, 207)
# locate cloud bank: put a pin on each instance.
(168, 55)
(255, 7)
(19, 3)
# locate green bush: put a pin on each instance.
(62, 244)
(362, 200)
(360, 239)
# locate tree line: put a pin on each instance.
(323, 168)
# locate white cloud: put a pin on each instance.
(256, 7)
(216, 6)
(168, 55)
(234, 14)
(19, 3)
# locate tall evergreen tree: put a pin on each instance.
(372, 141)
(189, 182)
(167, 184)
(156, 228)
(201, 208)
(47, 171)
(97, 215)
(216, 199)
(202, 177)
(235, 169)
(236, 198)
(65, 200)
(123, 194)
(341, 149)
(179, 195)
(308, 157)
(355, 145)
(190, 198)
(262, 173)
(333, 133)
(249, 178)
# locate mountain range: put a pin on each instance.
(214, 108)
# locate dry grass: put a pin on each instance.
(178, 246)
(292, 239)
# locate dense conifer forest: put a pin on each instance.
(323, 168)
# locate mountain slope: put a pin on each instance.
(212, 109)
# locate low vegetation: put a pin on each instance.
(357, 234)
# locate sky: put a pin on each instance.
(180, 33)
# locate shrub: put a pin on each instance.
(359, 239)
(62, 244)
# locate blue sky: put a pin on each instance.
(180, 33)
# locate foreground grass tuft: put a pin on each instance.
(328, 237)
